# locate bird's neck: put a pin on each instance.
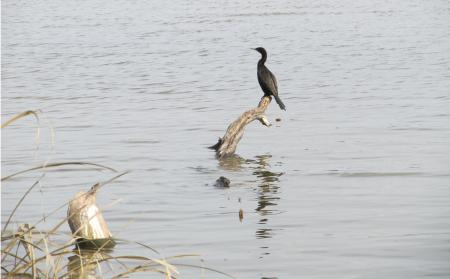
(262, 60)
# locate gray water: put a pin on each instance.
(354, 182)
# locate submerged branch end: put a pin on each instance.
(217, 145)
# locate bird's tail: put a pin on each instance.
(279, 102)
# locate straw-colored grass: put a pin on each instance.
(28, 252)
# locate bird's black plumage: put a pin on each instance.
(267, 80)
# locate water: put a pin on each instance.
(354, 182)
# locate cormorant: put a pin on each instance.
(267, 80)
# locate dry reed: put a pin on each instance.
(27, 252)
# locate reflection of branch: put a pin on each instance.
(232, 163)
(226, 146)
(264, 233)
(84, 263)
(268, 188)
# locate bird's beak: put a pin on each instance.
(253, 48)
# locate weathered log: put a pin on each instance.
(226, 145)
(86, 221)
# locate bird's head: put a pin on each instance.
(261, 50)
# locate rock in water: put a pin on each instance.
(222, 182)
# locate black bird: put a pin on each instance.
(266, 79)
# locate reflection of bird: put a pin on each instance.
(266, 79)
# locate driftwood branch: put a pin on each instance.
(226, 145)
(86, 221)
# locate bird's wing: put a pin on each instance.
(268, 81)
(274, 81)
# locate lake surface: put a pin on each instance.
(354, 182)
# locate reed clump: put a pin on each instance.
(30, 252)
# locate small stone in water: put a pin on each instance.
(278, 119)
(222, 182)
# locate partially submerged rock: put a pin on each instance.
(222, 182)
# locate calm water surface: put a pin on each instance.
(354, 182)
